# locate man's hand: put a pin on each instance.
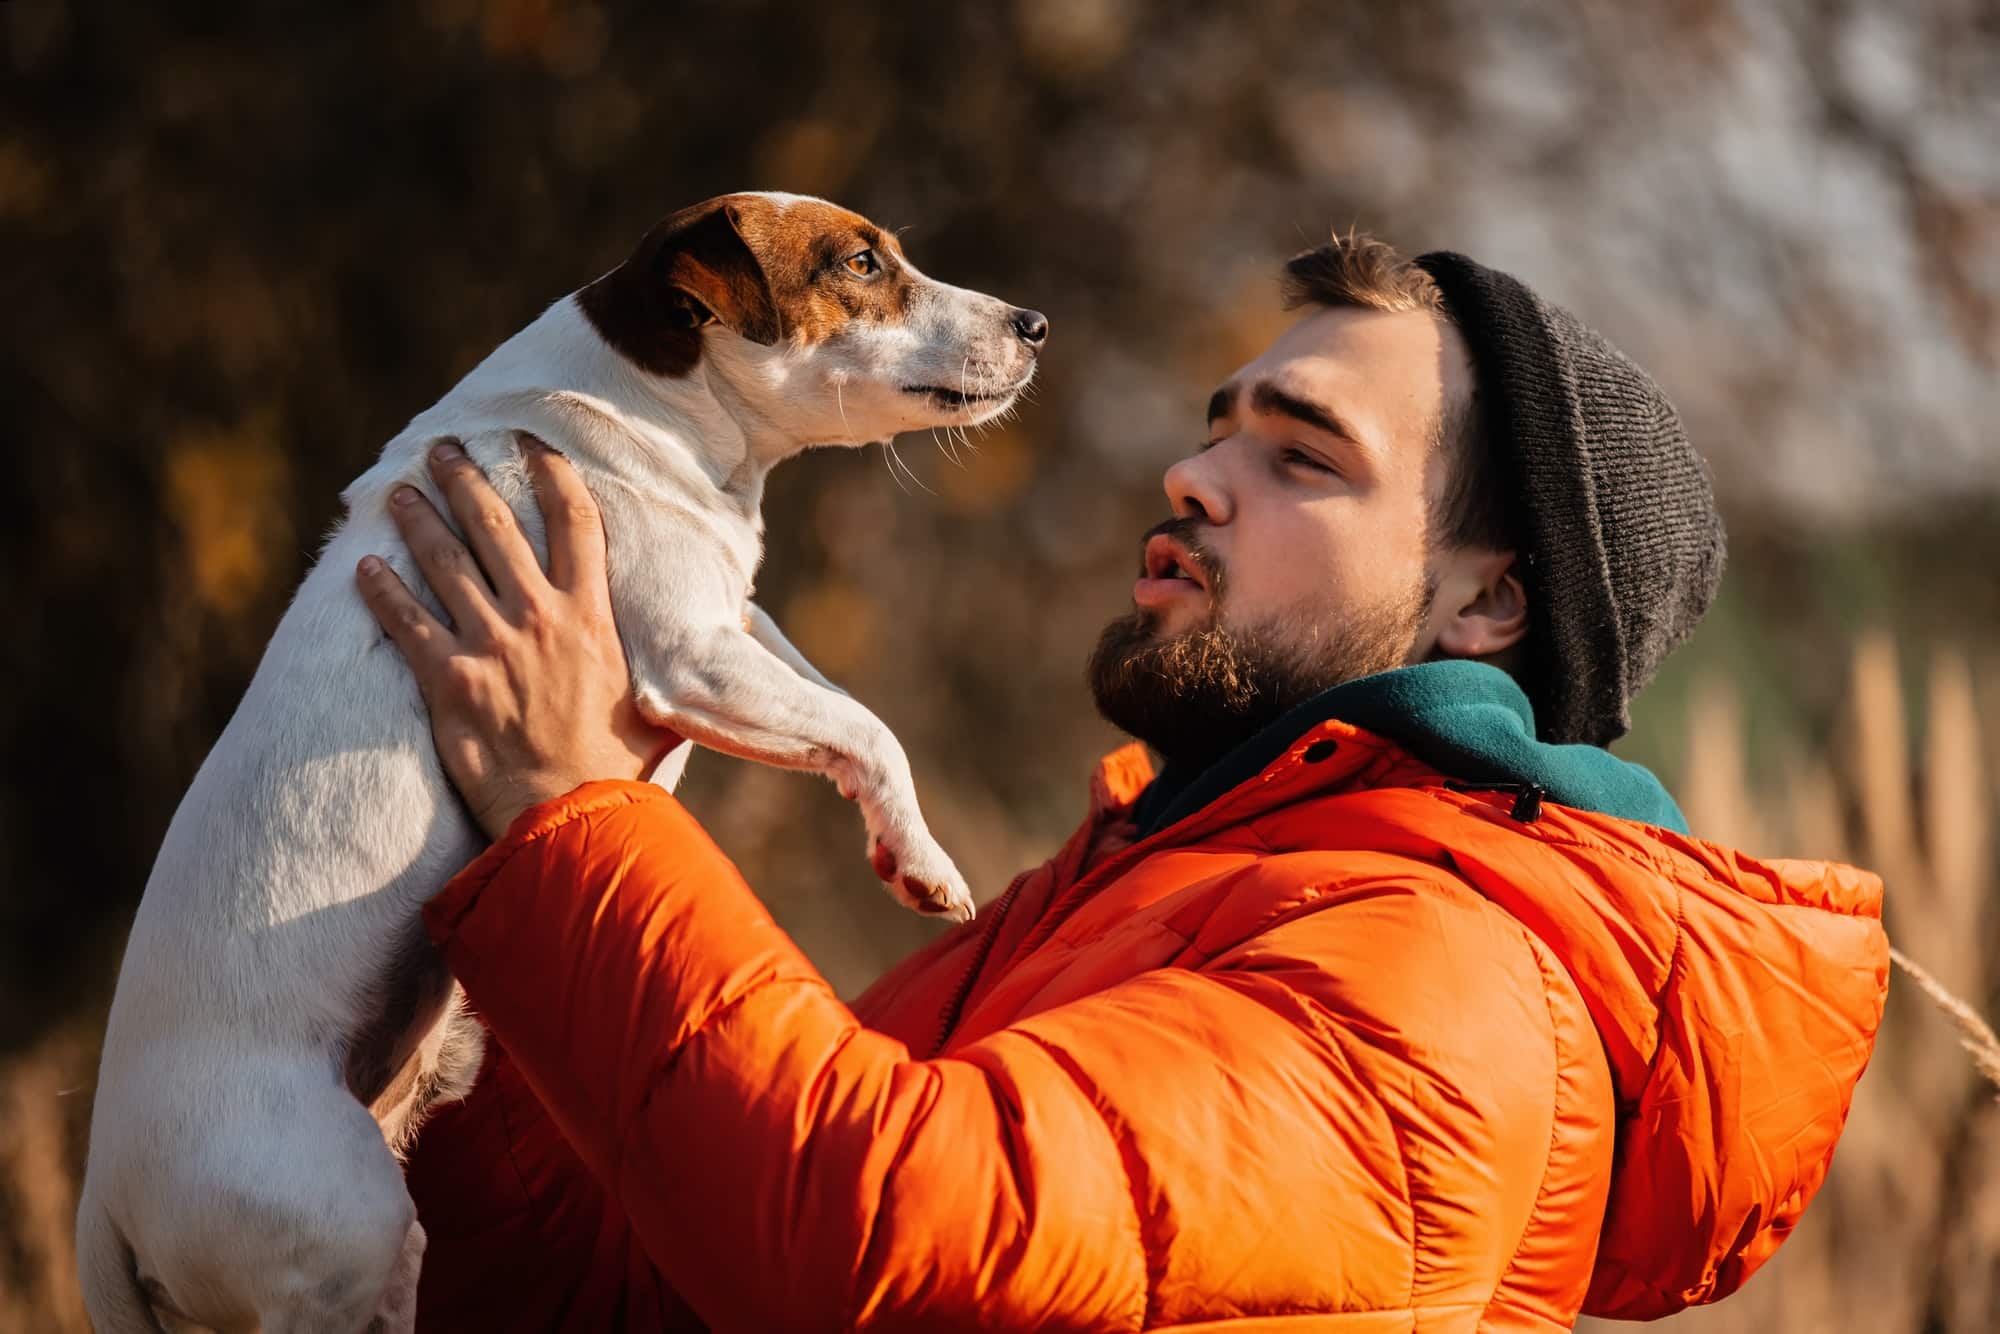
(528, 689)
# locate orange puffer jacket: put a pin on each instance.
(1350, 1050)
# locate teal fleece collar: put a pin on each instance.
(1468, 720)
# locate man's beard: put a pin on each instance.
(1195, 696)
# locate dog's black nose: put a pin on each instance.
(1032, 325)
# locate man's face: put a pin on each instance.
(1298, 556)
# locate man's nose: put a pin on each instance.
(1195, 489)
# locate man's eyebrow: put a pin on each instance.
(1220, 400)
(1271, 399)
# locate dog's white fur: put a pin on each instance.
(234, 1182)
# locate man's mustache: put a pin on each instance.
(1188, 532)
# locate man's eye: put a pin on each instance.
(863, 263)
(1300, 456)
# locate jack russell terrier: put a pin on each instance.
(281, 1024)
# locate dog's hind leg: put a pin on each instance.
(112, 1293)
(397, 1313)
(304, 1224)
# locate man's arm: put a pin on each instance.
(1147, 1151)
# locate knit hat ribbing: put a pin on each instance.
(1624, 546)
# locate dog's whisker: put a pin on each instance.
(970, 392)
(888, 454)
(944, 445)
(897, 467)
(907, 470)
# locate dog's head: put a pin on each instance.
(813, 315)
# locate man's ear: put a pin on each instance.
(1481, 605)
(712, 276)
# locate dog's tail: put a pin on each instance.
(109, 1273)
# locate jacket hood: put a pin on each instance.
(1737, 1000)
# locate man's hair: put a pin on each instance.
(1357, 270)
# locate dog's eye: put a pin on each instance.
(863, 263)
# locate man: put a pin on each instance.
(1393, 1003)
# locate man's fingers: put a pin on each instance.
(448, 567)
(496, 539)
(415, 631)
(575, 524)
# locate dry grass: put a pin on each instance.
(44, 1101)
(1905, 1238)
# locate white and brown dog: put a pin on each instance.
(280, 1023)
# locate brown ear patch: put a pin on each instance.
(709, 264)
(767, 270)
(692, 270)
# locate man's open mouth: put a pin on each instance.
(1167, 559)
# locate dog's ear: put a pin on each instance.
(712, 276)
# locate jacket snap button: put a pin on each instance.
(1319, 750)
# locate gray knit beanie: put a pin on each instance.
(1624, 546)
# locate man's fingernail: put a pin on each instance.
(445, 449)
(370, 564)
(405, 495)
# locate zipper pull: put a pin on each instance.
(1528, 806)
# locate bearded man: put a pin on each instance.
(1393, 1002)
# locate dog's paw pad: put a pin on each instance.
(921, 879)
(884, 862)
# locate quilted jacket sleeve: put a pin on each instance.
(499, 1191)
(786, 1167)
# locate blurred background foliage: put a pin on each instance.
(241, 244)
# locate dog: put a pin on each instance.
(281, 1023)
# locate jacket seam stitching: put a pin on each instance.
(1317, 896)
(1338, 1039)
(569, 815)
(662, 1071)
(1674, 867)
(933, 1088)
(575, 811)
(486, 867)
(1639, 853)
(513, 1145)
(1535, 949)
(1672, 981)
(1063, 1062)
(1623, 1110)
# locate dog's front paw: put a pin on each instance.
(921, 876)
